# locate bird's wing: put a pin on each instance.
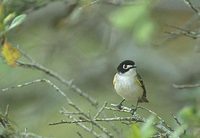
(114, 80)
(141, 83)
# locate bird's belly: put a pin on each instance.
(128, 89)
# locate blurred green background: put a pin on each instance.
(85, 44)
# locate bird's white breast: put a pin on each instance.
(127, 87)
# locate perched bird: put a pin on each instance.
(129, 84)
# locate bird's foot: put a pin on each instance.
(133, 110)
(119, 106)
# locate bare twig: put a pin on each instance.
(161, 125)
(39, 67)
(157, 116)
(59, 78)
(100, 119)
(184, 31)
(79, 134)
(100, 110)
(68, 100)
(185, 86)
(85, 127)
(179, 123)
(70, 113)
(189, 3)
(6, 112)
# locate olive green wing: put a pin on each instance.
(141, 83)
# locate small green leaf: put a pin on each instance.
(135, 132)
(8, 18)
(17, 21)
(126, 17)
(144, 31)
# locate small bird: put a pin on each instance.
(129, 84)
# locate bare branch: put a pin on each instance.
(100, 119)
(100, 110)
(79, 134)
(86, 128)
(59, 78)
(68, 100)
(185, 86)
(6, 112)
(161, 125)
(179, 123)
(183, 31)
(189, 3)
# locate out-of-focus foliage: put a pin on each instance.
(7, 128)
(20, 6)
(84, 45)
(8, 20)
(135, 18)
(146, 130)
(190, 118)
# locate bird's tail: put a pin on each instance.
(143, 99)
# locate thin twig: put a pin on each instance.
(100, 110)
(99, 119)
(59, 78)
(157, 116)
(189, 3)
(185, 86)
(79, 134)
(85, 128)
(66, 98)
(7, 110)
(161, 125)
(179, 123)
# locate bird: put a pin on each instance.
(128, 84)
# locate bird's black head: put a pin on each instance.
(126, 66)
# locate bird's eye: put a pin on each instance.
(125, 66)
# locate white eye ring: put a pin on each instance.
(125, 66)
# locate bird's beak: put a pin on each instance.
(134, 66)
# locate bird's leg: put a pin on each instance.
(119, 106)
(133, 110)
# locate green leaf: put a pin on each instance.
(17, 21)
(126, 17)
(135, 132)
(144, 31)
(8, 18)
